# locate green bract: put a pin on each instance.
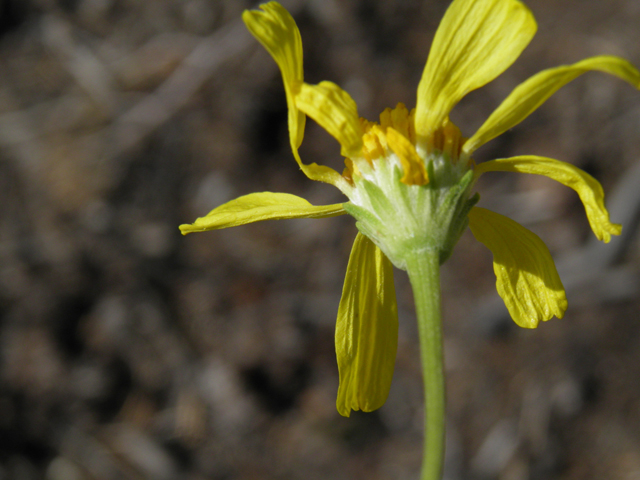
(402, 218)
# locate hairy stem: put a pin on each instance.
(423, 268)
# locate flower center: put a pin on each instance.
(394, 140)
(407, 194)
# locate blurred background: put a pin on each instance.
(130, 352)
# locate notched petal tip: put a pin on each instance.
(608, 230)
(186, 228)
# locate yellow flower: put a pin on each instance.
(408, 178)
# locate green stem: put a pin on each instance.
(423, 268)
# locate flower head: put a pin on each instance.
(409, 176)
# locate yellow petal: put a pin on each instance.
(366, 330)
(526, 277)
(475, 42)
(256, 207)
(532, 93)
(414, 171)
(277, 31)
(587, 187)
(336, 112)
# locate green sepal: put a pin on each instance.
(453, 213)
(458, 226)
(363, 215)
(379, 201)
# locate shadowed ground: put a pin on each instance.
(129, 351)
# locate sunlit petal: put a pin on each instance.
(532, 93)
(526, 277)
(475, 42)
(366, 330)
(335, 111)
(256, 207)
(587, 187)
(277, 31)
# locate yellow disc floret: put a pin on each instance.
(393, 139)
